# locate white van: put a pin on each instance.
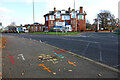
(24, 29)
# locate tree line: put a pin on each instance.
(106, 20)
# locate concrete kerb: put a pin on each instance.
(88, 59)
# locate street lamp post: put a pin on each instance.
(33, 17)
(74, 15)
(75, 28)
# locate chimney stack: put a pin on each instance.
(54, 9)
(69, 9)
(81, 9)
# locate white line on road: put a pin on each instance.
(86, 48)
(82, 40)
(21, 56)
(100, 52)
(116, 65)
(40, 41)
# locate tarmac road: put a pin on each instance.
(102, 47)
(27, 65)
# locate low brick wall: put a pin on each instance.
(89, 31)
(85, 31)
(98, 31)
(106, 31)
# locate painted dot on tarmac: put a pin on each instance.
(70, 70)
(54, 73)
(99, 75)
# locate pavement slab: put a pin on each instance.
(25, 58)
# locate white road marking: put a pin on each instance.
(81, 40)
(21, 56)
(86, 48)
(100, 52)
(40, 41)
(116, 65)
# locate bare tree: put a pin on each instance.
(106, 19)
(88, 25)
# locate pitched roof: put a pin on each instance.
(66, 12)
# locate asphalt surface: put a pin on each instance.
(28, 65)
(102, 47)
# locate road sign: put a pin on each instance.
(60, 23)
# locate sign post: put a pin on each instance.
(56, 26)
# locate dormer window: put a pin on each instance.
(51, 17)
(73, 15)
(62, 12)
(57, 15)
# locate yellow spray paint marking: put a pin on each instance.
(71, 63)
(44, 67)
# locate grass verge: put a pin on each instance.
(117, 33)
(58, 33)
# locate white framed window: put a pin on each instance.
(80, 17)
(68, 17)
(73, 15)
(40, 28)
(28, 27)
(71, 21)
(63, 12)
(32, 27)
(57, 15)
(46, 18)
(51, 22)
(51, 17)
(36, 28)
(78, 11)
(63, 17)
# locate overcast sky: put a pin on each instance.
(20, 11)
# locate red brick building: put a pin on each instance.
(36, 27)
(74, 18)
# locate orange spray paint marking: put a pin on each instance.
(71, 63)
(44, 67)
(11, 59)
